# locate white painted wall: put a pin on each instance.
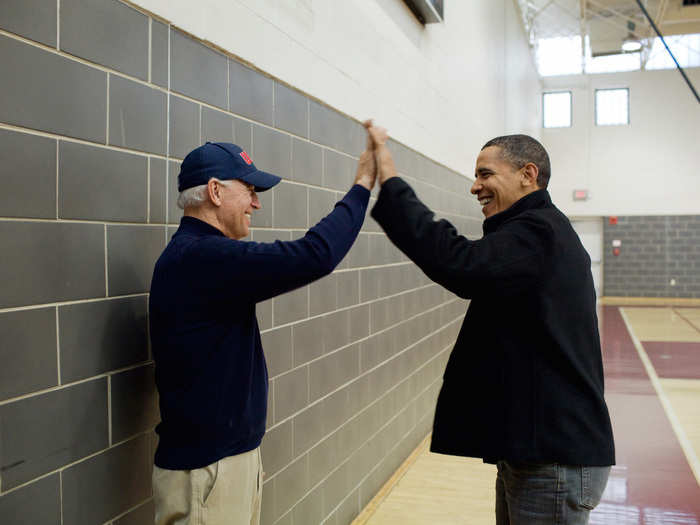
(651, 167)
(438, 89)
(523, 92)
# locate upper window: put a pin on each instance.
(612, 107)
(562, 56)
(686, 49)
(559, 56)
(556, 109)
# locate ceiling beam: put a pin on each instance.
(525, 21)
(635, 21)
(541, 9)
(618, 25)
(680, 21)
(660, 12)
(646, 49)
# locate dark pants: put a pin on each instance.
(549, 494)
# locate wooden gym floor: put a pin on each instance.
(652, 369)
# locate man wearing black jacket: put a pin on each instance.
(210, 367)
(523, 387)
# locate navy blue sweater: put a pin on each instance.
(210, 367)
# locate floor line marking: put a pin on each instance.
(687, 447)
(685, 319)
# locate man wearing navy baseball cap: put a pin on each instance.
(210, 367)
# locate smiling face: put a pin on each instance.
(499, 184)
(238, 200)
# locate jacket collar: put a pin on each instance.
(536, 199)
(194, 226)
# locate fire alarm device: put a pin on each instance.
(612, 219)
(580, 195)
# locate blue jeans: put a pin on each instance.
(547, 494)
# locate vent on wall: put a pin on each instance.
(691, 2)
(427, 11)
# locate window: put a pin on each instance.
(612, 107)
(562, 55)
(556, 109)
(559, 56)
(686, 49)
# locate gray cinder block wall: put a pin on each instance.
(98, 105)
(659, 257)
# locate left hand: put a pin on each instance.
(366, 170)
(367, 165)
(385, 162)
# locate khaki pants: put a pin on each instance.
(226, 492)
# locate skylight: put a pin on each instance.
(562, 56)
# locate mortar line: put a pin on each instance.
(358, 414)
(362, 374)
(274, 109)
(64, 138)
(73, 383)
(107, 104)
(60, 492)
(439, 212)
(109, 409)
(63, 468)
(168, 91)
(68, 303)
(83, 221)
(292, 323)
(148, 191)
(106, 268)
(150, 47)
(57, 175)
(58, 34)
(138, 505)
(58, 347)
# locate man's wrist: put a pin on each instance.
(383, 179)
(364, 182)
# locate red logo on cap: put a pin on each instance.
(246, 158)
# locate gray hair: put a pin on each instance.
(196, 195)
(521, 149)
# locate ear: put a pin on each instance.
(530, 173)
(214, 192)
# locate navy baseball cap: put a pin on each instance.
(223, 161)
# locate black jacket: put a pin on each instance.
(524, 381)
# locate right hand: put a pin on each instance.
(385, 162)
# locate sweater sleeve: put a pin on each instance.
(253, 271)
(505, 262)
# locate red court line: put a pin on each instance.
(652, 481)
(673, 359)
